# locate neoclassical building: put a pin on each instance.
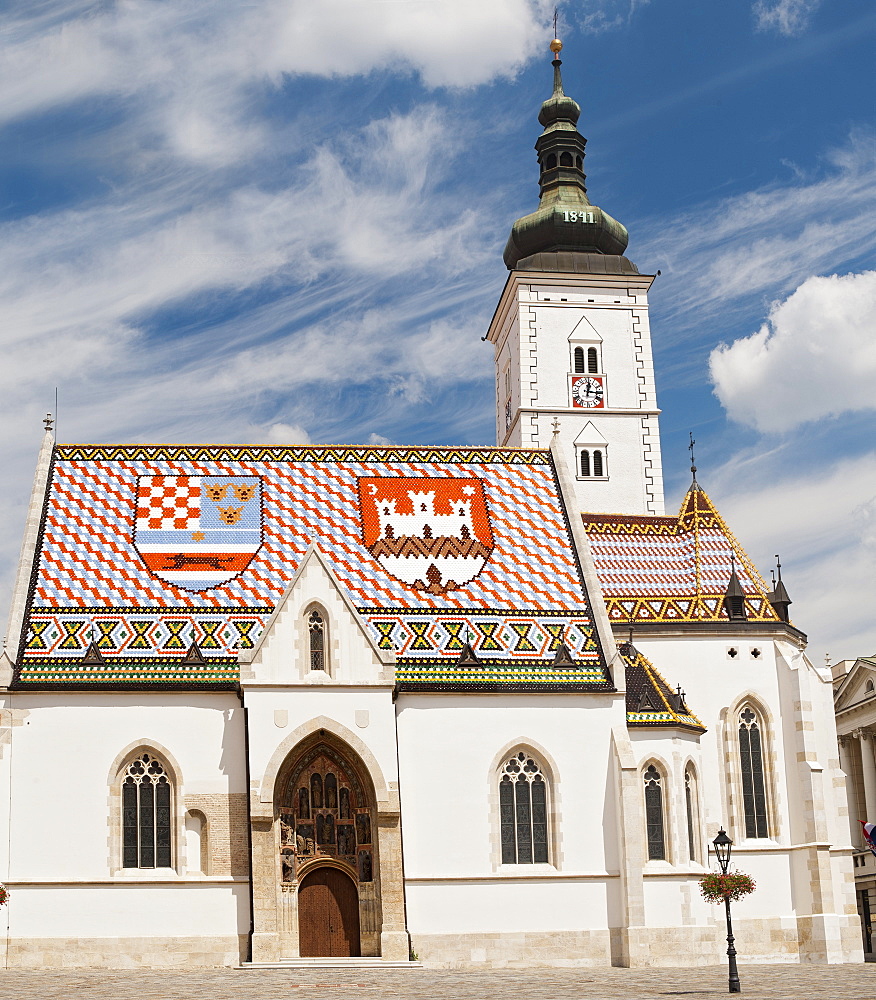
(855, 702)
(481, 706)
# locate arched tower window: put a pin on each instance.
(523, 811)
(579, 162)
(551, 162)
(592, 360)
(147, 820)
(316, 632)
(751, 768)
(579, 359)
(654, 814)
(566, 159)
(585, 462)
(597, 463)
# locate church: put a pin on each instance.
(469, 706)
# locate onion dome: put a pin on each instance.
(565, 222)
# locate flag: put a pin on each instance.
(869, 835)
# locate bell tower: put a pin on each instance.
(571, 334)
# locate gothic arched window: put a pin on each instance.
(523, 811)
(316, 637)
(752, 771)
(579, 359)
(691, 811)
(592, 360)
(654, 814)
(146, 814)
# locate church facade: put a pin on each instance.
(474, 706)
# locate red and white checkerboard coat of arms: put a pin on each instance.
(198, 532)
(432, 534)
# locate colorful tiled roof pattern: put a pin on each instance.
(673, 569)
(147, 549)
(650, 700)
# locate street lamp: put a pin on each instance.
(723, 844)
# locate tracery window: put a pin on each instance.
(654, 814)
(690, 804)
(316, 633)
(146, 814)
(751, 767)
(523, 811)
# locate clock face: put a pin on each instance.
(588, 392)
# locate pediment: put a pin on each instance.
(584, 332)
(282, 653)
(589, 435)
(854, 688)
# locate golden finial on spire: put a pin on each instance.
(556, 44)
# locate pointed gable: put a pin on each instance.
(674, 568)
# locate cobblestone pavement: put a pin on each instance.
(759, 982)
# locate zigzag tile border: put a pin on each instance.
(330, 453)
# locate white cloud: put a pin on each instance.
(722, 258)
(605, 15)
(788, 17)
(815, 357)
(192, 70)
(823, 526)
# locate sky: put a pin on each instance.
(283, 221)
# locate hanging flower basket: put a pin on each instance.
(716, 888)
(4, 894)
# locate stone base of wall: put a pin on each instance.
(513, 950)
(126, 953)
(768, 940)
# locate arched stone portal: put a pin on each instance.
(327, 874)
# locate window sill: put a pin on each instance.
(540, 868)
(147, 874)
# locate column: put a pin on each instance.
(868, 768)
(851, 797)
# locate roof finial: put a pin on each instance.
(779, 567)
(556, 426)
(693, 464)
(48, 421)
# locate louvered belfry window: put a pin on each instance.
(146, 814)
(579, 359)
(751, 766)
(523, 811)
(654, 814)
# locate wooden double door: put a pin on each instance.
(328, 915)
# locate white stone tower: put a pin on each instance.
(571, 333)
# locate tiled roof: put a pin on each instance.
(147, 549)
(668, 569)
(650, 700)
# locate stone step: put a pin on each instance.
(330, 963)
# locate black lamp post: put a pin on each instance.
(722, 844)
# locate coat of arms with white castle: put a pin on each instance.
(432, 534)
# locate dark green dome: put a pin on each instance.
(565, 221)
